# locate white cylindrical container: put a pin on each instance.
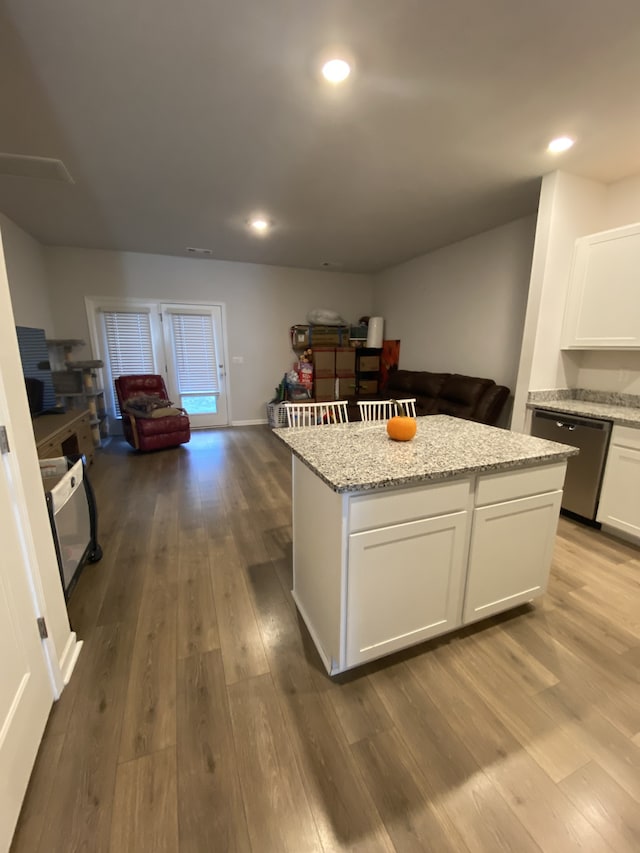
(374, 332)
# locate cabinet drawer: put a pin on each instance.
(626, 437)
(369, 363)
(50, 450)
(510, 485)
(381, 509)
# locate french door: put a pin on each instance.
(194, 350)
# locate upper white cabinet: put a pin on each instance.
(603, 302)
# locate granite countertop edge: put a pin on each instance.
(622, 415)
(436, 476)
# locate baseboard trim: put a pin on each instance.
(249, 423)
(69, 657)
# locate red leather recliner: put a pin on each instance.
(148, 431)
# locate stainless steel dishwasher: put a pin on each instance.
(584, 471)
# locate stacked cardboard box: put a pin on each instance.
(334, 373)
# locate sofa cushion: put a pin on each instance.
(421, 384)
(460, 395)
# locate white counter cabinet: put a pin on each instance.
(514, 527)
(380, 571)
(619, 505)
(603, 302)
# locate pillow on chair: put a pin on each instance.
(144, 404)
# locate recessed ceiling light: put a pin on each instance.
(259, 224)
(562, 143)
(336, 70)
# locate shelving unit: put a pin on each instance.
(76, 386)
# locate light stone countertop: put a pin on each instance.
(624, 415)
(357, 457)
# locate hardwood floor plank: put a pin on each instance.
(78, 815)
(278, 813)
(31, 822)
(554, 747)
(149, 721)
(601, 740)
(240, 641)
(608, 806)
(344, 812)
(145, 804)
(210, 805)
(197, 623)
(543, 808)
(393, 779)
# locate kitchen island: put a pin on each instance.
(398, 542)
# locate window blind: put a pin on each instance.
(128, 336)
(129, 346)
(195, 353)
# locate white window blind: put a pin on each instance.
(128, 337)
(195, 352)
(129, 345)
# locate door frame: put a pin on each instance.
(94, 303)
(166, 310)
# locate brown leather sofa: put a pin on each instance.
(467, 397)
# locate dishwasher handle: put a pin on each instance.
(571, 422)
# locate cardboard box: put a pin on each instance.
(369, 364)
(368, 386)
(346, 387)
(345, 361)
(324, 363)
(324, 389)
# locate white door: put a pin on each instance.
(196, 375)
(25, 689)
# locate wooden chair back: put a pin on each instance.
(316, 414)
(382, 410)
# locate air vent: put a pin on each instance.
(41, 168)
(192, 250)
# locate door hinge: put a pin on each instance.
(4, 440)
(42, 628)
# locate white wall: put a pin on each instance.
(46, 576)
(570, 207)
(262, 303)
(614, 371)
(27, 276)
(461, 309)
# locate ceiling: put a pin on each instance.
(177, 121)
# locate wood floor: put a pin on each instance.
(200, 718)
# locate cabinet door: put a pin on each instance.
(603, 306)
(510, 554)
(405, 584)
(620, 496)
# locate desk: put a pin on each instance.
(61, 435)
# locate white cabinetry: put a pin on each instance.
(405, 584)
(380, 571)
(620, 497)
(603, 303)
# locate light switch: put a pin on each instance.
(237, 359)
